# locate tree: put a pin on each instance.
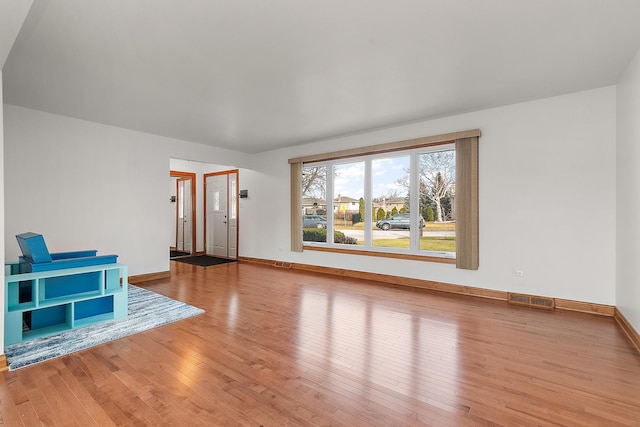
(392, 193)
(445, 202)
(381, 214)
(428, 216)
(437, 171)
(314, 179)
(361, 209)
(394, 211)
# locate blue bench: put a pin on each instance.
(47, 293)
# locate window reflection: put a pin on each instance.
(384, 344)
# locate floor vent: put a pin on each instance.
(532, 301)
(281, 264)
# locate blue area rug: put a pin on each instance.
(147, 310)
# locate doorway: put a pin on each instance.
(221, 214)
(185, 218)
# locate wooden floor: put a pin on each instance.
(278, 347)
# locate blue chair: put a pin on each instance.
(37, 258)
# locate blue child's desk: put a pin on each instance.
(50, 293)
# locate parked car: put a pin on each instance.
(397, 221)
(313, 221)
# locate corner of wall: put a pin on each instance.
(627, 297)
(2, 296)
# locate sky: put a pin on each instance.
(349, 179)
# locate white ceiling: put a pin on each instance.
(253, 75)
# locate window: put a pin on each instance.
(392, 224)
(391, 202)
(348, 189)
(233, 194)
(314, 204)
(437, 183)
(413, 199)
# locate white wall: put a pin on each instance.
(84, 185)
(628, 194)
(2, 296)
(547, 199)
(12, 16)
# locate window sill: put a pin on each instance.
(364, 252)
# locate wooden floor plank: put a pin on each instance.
(282, 347)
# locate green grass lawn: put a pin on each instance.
(440, 244)
(442, 226)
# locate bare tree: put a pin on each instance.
(393, 193)
(314, 181)
(437, 172)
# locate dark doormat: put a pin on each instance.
(175, 254)
(203, 260)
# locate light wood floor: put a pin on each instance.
(278, 347)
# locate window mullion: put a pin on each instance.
(329, 197)
(368, 210)
(296, 207)
(414, 203)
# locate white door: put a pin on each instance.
(217, 223)
(222, 215)
(183, 215)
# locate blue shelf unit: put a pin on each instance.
(50, 293)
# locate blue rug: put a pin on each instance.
(147, 310)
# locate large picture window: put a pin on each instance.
(413, 199)
(371, 207)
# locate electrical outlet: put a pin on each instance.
(518, 273)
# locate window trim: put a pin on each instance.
(296, 207)
(383, 254)
(467, 211)
(467, 241)
(408, 144)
